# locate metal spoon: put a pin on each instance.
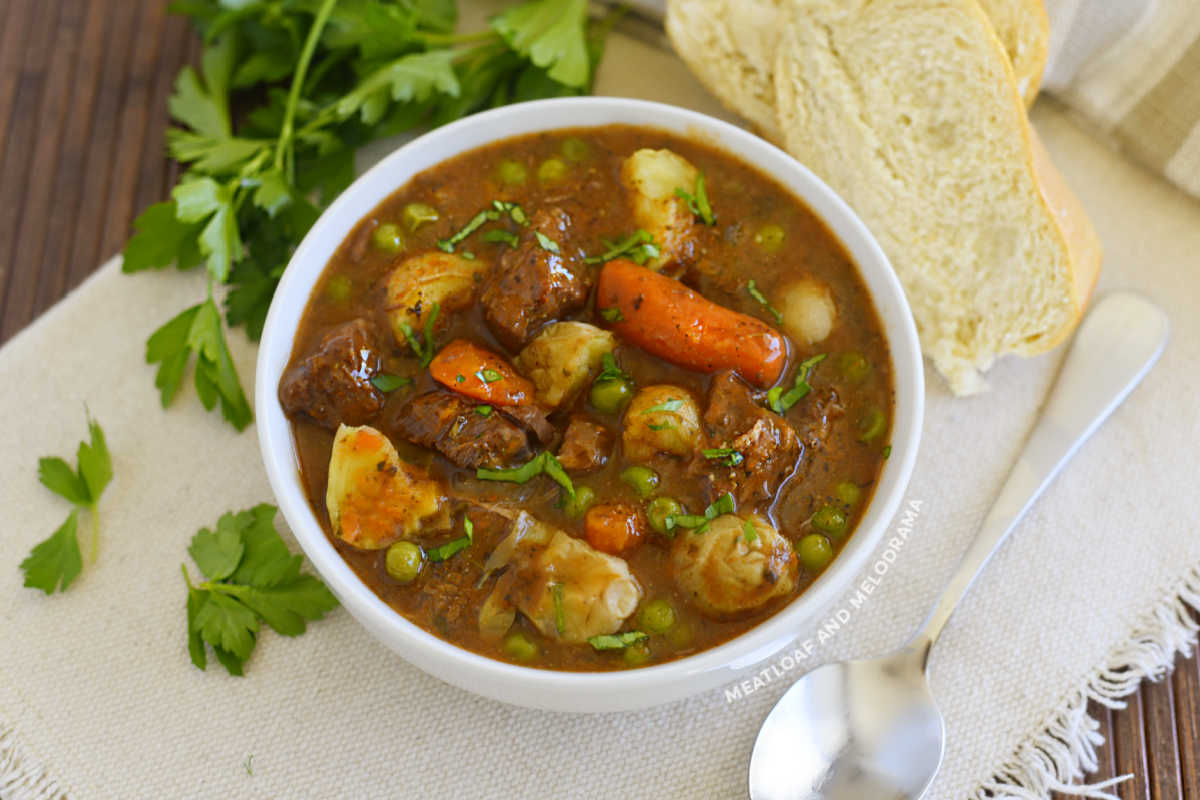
(870, 730)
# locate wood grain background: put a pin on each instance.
(83, 89)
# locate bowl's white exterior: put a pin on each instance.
(575, 691)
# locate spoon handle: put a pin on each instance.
(1115, 347)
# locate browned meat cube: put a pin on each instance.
(451, 425)
(533, 419)
(532, 285)
(764, 446)
(585, 446)
(333, 384)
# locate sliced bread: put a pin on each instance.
(910, 111)
(730, 46)
(1024, 29)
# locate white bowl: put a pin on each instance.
(582, 691)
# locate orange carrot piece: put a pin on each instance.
(614, 528)
(669, 320)
(469, 369)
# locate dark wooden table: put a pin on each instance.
(83, 90)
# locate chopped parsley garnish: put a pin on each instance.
(762, 301)
(443, 552)
(513, 210)
(543, 462)
(638, 247)
(55, 562)
(252, 578)
(560, 611)
(459, 378)
(483, 411)
(887, 451)
(674, 404)
(423, 349)
(724, 455)
(477, 222)
(617, 641)
(468, 255)
(699, 524)
(386, 382)
(750, 533)
(780, 401)
(489, 375)
(609, 371)
(697, 201)
(469, 527)
(612, 314)
(548, 244)
(659, 426)
(501, 236)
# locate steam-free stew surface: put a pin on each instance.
(806, 473)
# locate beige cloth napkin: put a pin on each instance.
(98, 698)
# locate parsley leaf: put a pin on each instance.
(448, 549)
(548, 244)
(424, 348)
(749, 532)
(638, 246)
(385, 382)
(55, 562)
(724, 455)
(612, 314)
(754, 292)
(161, 240)
(617, 641)
(697, 201)
(550, 34)
(252, 578)
(780, 401)
(699, 524)
(544, 462)
(673, 404)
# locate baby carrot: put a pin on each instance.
(469, 369)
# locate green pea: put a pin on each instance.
(609, 395)
(872, 425)
(339, 288)
(658, 616)
(680, 636)
(854, 366)
(659, 509)
(849, 493)
(388, 237)
(770, 237)
(815, 552)
(637, 654)
(575, 507)
(552, 170)
(511, 172)
(642, 480)
(574, 149)
(829, 519)
(417, 214)
(404, 561)
(520, 647)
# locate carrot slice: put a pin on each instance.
(469, 369)
(669, 320)
(613, 528)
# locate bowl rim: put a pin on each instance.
(517, 683)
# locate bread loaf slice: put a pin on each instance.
(910, 111)
(730, 46)
(1024, 29)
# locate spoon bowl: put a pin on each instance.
(851, 730)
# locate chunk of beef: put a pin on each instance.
(332, 385)
(585, 446)
(449, 424)
(767, 445)
(532, 285)
(818, 412)
(533, 419)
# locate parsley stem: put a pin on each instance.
(284, 146)
(186, 578)
(95, 532)
(444, 39)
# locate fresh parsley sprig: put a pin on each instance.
(312, 81)
(252, 578)
(56, 562)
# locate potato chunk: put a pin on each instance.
(808, 311)
(561, 358)
(373, 497)
(723, 574)
(567, 589)
(661, 419)
(421, 281)
(652, 176)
